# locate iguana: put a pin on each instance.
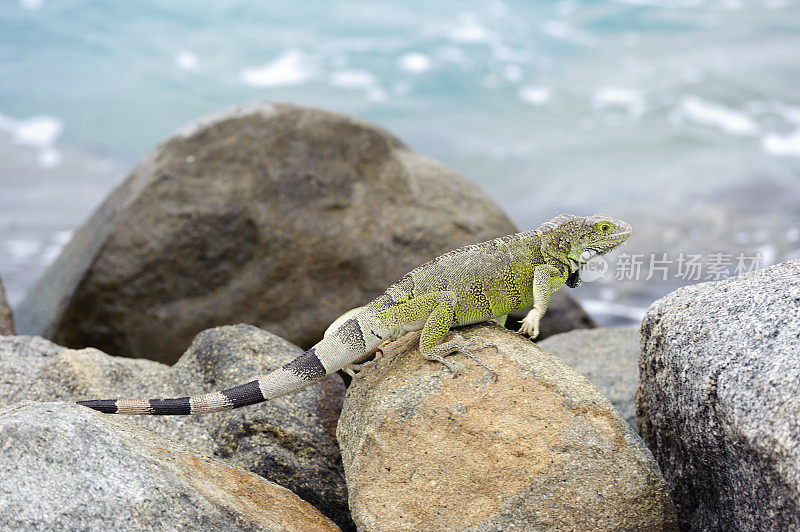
(468, 285)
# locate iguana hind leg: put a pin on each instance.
(436, 311)
(435, 329)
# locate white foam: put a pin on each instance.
(352, 79)
(358, 79)
(607, 294)
(561, 30)
(186, 60)
(49, 158)
(786, 145)
(712, 114)
(535, 95)
(629, 100)
(33, 5)
(38, 131)
(22, 251)
(292, 67)
(415, 62)
(767, 253)
(595, 306)
(62, 237)
(790, 114)
(468, 29)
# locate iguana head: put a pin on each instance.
(601, 233)
(573, 240)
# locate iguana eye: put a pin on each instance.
(605, 227)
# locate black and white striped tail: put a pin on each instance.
(300, 372)
(352, 340)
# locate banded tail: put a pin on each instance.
(350, 342)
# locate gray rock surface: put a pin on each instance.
(275, 215)
(608, 357)
(65, 467)
(719, 399)
(6, 317)
(540, 448)
(290, 440)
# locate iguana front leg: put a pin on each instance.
(546, 280)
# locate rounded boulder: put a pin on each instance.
(276, 215)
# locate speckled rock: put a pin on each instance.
(290, 440)
(6, 317)
(608, 357)
(65, 467)
(719, 399)
(538, 449)
(276, 215)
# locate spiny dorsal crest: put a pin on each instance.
(555, 222)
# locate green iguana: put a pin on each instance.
(468, 285)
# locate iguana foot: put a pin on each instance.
(457, 344)
(530, 323)
(355, 370)
(439, 358)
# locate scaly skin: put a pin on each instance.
(468, 285)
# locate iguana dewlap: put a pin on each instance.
(468, 285)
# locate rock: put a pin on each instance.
(6, 317)
(290, 440)
(66, 467)
(275, 215)
(608, 357)
(540, 448)
(719, 399)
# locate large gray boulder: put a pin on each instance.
(608, 357)
(719, 399)
(540, 448)
(290, 440)
(65, 467)
(6, 317)
(275, 215)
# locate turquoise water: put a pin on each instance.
(633, 107)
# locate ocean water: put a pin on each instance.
(682, 116)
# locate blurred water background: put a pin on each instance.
(682, 116)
